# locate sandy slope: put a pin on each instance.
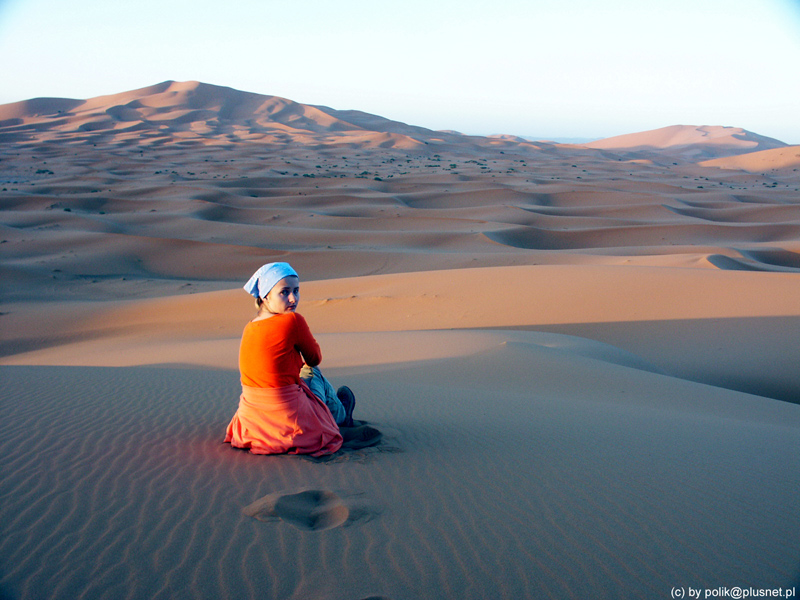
(547, 476)
(691, 141)
(729, 328)
(583, 359)
(776, 159)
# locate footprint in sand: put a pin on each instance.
(310, 510)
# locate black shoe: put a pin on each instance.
(361, 436)
(348, 400)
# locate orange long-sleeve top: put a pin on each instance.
(273, 351)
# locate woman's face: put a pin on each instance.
(284, 296)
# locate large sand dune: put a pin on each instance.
(774, 160)
(691, 141)
(583, 359)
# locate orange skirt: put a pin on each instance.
(282, 420)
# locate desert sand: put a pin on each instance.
(583, 359)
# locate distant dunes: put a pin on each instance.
(183, 185)
(785, 158)
(193, 112)
(691, 141)
(204, 111)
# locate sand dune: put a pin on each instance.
(658, 314)
(690, 140)
(583, 358)
(550, 475)
(776, 159)
(199, 111)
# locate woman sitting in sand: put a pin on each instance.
(286, 405)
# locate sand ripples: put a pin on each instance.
(117, 485)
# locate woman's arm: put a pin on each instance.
(306, 344)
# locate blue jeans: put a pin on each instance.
(323, 390)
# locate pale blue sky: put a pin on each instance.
(552, 68)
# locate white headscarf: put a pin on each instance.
(266, 277)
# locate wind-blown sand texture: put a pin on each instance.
(583, 358)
